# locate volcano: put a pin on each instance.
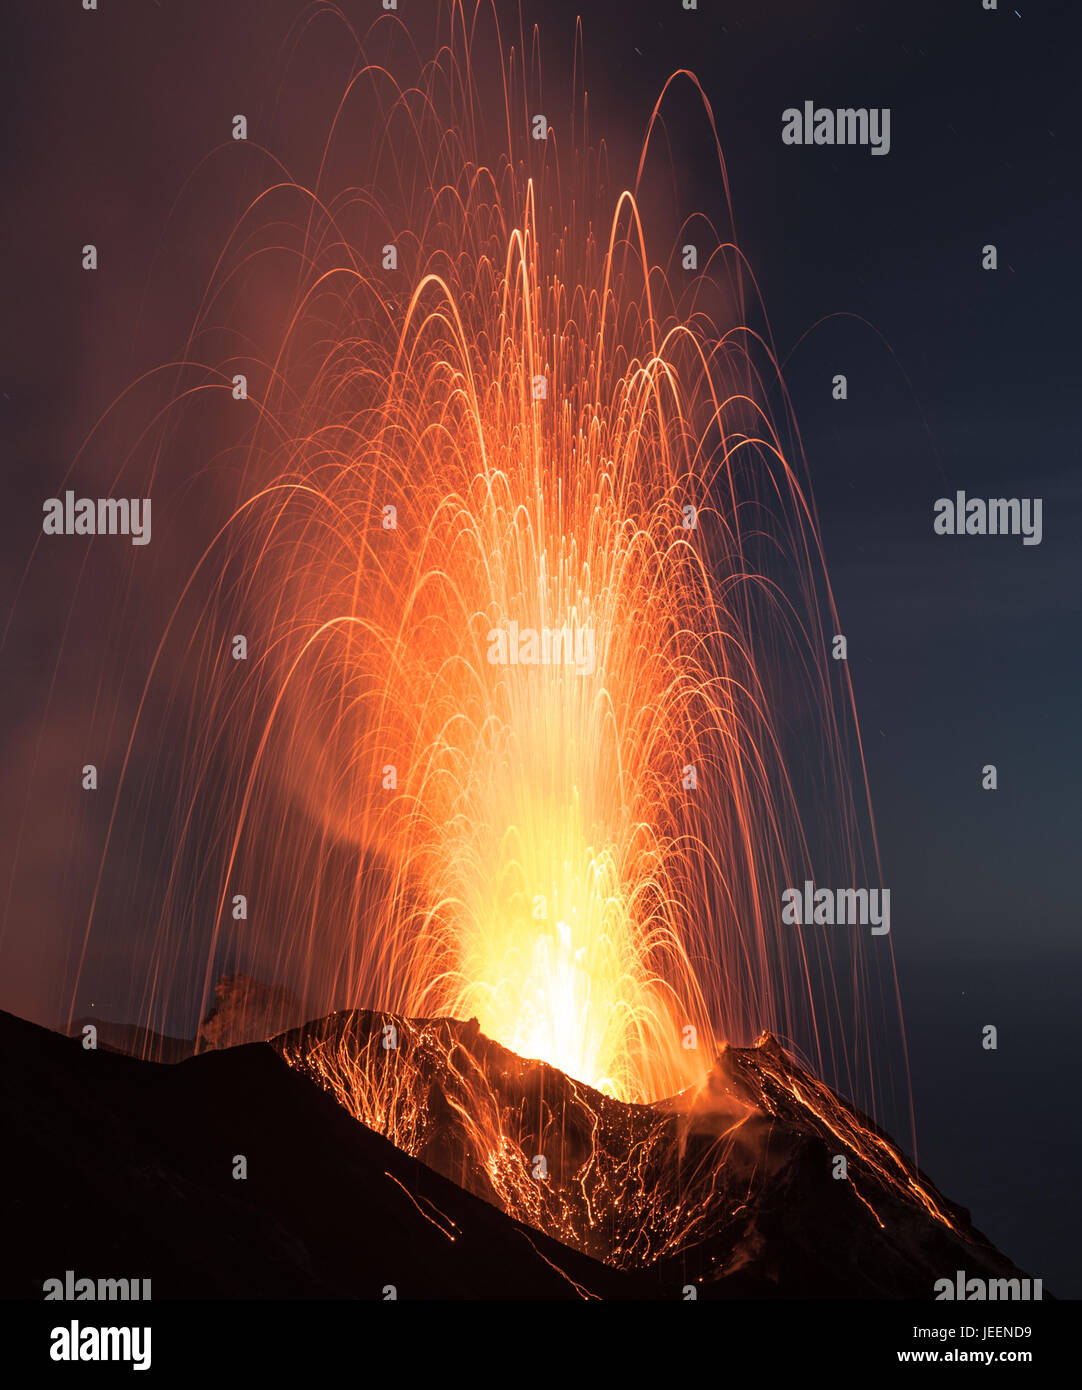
(496, 1177)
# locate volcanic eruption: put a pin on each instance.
(496, 700)
(508, 669)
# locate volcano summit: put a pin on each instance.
(493, 1177)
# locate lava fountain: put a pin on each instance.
(522, 564)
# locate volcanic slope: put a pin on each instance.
(731, 1187)
(117, 1167)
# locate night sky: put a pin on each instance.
(963, 651)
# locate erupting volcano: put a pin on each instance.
(502, 705)
(509, 667)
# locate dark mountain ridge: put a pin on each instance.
(118, 1167)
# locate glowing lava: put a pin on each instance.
(535, 600)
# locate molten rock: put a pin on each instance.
(735, 1186)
